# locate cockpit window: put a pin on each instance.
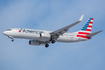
(8, 29)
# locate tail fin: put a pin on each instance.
(88, 26)
(86, 29)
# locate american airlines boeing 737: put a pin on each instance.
(42, 37)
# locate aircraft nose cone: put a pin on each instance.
(4, 33)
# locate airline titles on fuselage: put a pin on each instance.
(32, 31)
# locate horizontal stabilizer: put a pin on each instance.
(90, 35)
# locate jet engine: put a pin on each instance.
(34, 42)
(45, 37)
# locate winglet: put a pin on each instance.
(81, 18)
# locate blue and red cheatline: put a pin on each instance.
(20, 30)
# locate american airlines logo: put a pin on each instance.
(20, 30)
(32, 31)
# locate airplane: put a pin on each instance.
(43, 37)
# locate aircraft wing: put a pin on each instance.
(65, 29)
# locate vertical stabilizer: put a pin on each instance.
(86, 29)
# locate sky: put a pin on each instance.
(52, 15)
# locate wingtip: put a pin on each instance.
(81, 18)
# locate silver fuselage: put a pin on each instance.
(35, 35)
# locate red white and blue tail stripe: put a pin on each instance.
(86, 30)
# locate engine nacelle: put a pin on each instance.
(45, 37)
(34, 42)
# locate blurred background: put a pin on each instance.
(52, 15)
